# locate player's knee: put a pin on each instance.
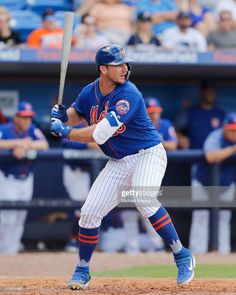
(147, 211)
(88, 220)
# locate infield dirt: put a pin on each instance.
(46, 273)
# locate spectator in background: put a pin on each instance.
(16, 177)
(225, 36)
(7, 36)
(182, 37)
(226, 5)
(114, 20)
(144, 36)
(219, 146)
(202, 18)
(48, 36)
(208, 3)
(87, 37)
(163, 13)
(85, 6)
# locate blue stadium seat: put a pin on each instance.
(24, 22)
(39, 6)
(13, 4)
(60, 15)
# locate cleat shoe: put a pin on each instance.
(185, 263)
(80, 279)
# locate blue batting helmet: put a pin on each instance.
(112, 55)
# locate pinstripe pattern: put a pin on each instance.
(143, 169)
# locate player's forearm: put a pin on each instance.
(73, 117)
(220, 154)
(39, 145)
(82, 134)
(8, 144)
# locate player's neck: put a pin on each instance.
(106, 86)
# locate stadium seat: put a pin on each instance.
(39, 6)
(60, 14)
(24, 22)
(13, 4)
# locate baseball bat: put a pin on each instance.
(65, 52)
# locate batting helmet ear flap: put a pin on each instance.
(129, 71)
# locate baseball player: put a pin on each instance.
(115, 110)
(16, 177)
(163, 126)
(219, 146)
(199, 121)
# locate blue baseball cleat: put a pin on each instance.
(185, 263)
(80, 278)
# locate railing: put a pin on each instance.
(96, 160)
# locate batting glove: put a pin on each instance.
(59, 129)
(59, 112)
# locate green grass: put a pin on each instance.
(170, 271)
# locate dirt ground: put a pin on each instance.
(46, 273)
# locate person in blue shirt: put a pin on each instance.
(196, 124)
(118, 122)
(219, 146)
(198, 121)
(163, 13)
(143, 38)
(16, 177)
(162, 125)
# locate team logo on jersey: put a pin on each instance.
(122, 107)
(215, 123)
(95, 118)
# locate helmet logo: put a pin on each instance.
(122, 107)
(122, 53)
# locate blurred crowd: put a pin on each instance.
(195, 25)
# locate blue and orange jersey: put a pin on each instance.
(166, 130)
(137, 131)
(201, 123)
(8, 131)
(216, 141)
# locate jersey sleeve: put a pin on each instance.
(78, 104)
(125, 107)
(213, 141)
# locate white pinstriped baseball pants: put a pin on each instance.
(142, 170)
